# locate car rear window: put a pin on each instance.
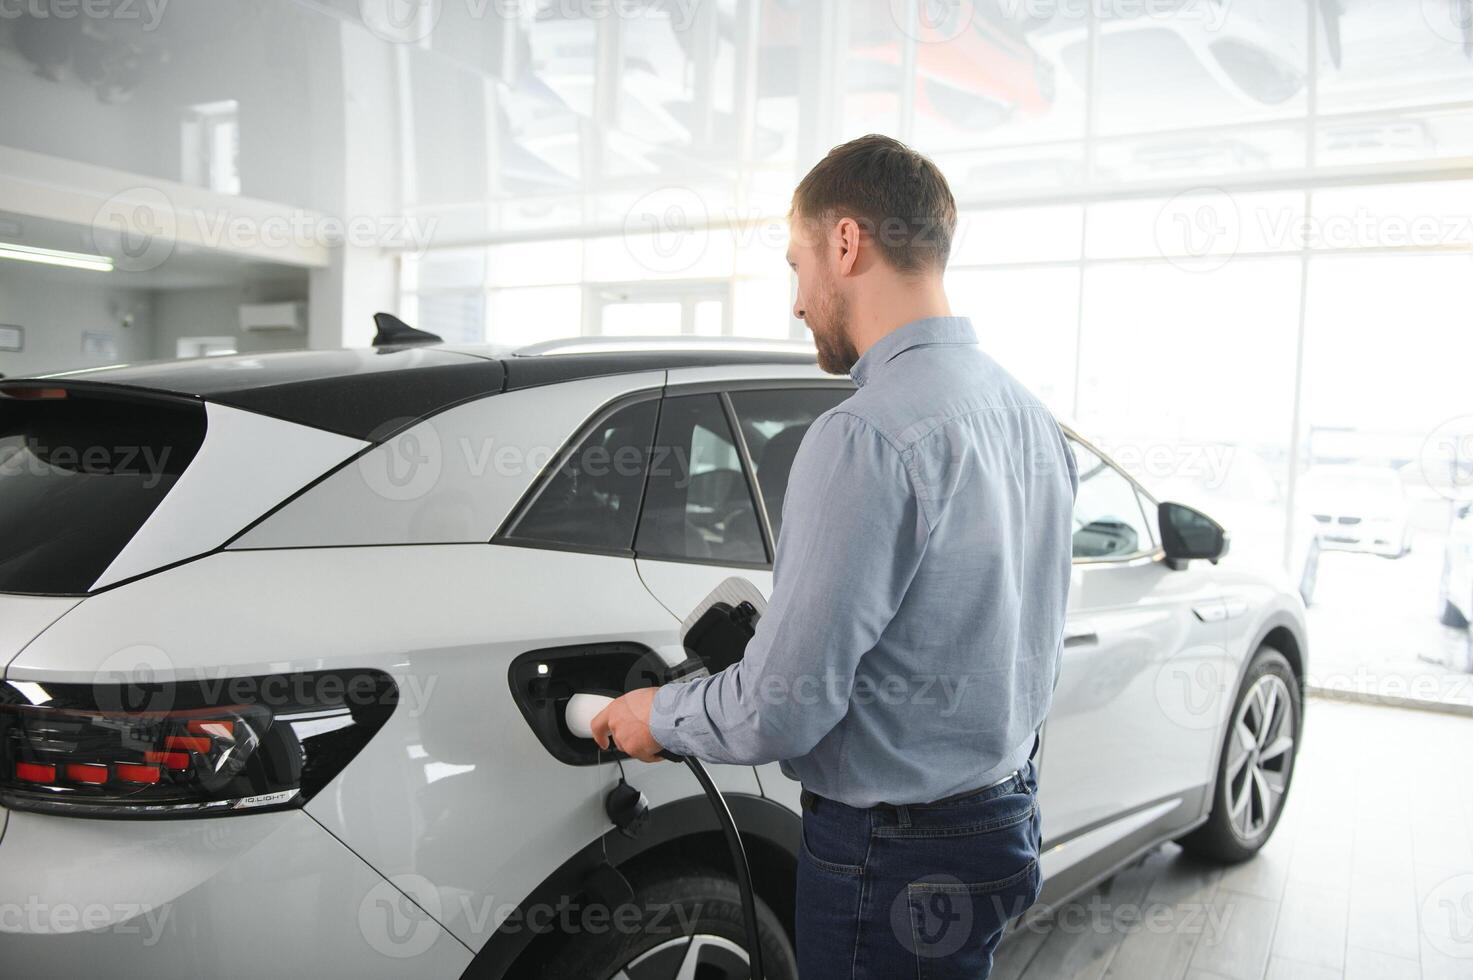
(80, 473)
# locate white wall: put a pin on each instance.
(55, 307)
(213, 313)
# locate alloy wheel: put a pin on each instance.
(1261, 754)
(698, 957)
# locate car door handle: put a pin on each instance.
(1212, 611)
(1084, 638)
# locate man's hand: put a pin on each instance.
(626, 723)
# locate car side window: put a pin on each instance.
(698, 506)
(773, 422)
(591, 501)
(1108, 520)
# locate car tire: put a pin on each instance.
(1255, 768)
(1452, 616)
(686, 914)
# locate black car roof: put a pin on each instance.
(369, 393)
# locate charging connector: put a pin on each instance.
(627, 801)
(715, 635)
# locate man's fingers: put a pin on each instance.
(600, 728)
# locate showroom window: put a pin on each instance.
(591, 502)
(1108, 521)
(774, 422)
(698, 506)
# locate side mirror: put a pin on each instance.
(1188, 534)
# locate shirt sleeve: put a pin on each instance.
(853, 534)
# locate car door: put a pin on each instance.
(594, 502)
(718, 477)
(1129, 742)
(705, 525)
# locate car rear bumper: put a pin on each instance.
(259, 895)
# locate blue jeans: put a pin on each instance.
(915, 891)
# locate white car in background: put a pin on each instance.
(1252, 51)
(1360, 508)
(1457, 569)
(287, 641)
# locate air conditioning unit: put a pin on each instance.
(271, 317)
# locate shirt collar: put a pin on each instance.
(916, 333)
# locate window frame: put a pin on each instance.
(744, 451)
(1151, 521)
(529, 497)
(744, 459)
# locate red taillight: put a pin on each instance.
(213, 727)
(82, 772)
(21, 392)
(30, 772)
(137, 774)
(177, 749)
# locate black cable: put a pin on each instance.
(738, 860)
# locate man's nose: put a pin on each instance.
(798, 308)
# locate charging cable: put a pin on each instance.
(582, 709)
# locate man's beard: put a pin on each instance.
(836, 353)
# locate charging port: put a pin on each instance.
(543, 681)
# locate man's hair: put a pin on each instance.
(897, 196)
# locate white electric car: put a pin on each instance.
(286, 640)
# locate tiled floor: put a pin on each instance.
(1368, 877)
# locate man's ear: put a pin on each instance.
(846, 241)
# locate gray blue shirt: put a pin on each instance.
(913, 639)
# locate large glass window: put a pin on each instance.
(592, 500)
(774, 423)
(698, 506)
